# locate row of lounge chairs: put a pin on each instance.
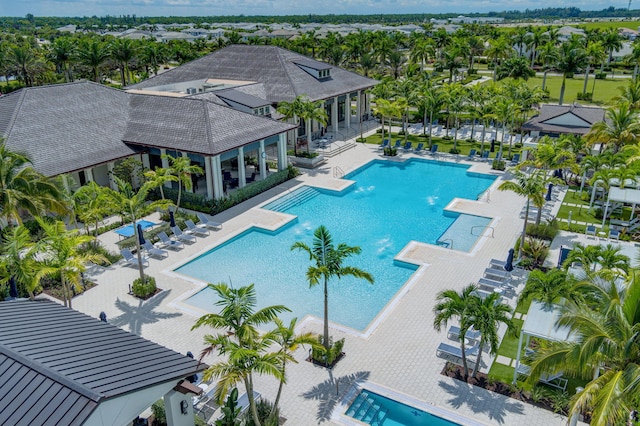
(592, 230)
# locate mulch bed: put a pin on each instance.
(322, 364)
(158, 290)
(56, 291)
(482, 380)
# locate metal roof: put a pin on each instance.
(583, 116)
(315, 65)
(57, 364)
(241, 98)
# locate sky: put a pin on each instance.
(282, 7)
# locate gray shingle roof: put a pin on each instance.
(194, 124)
(541, 123)
(57, 365)
(273, 66)
(241, 98)
(66, 127)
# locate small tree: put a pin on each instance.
(182, 169)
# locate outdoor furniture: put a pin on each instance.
(398, 144)
(454, 333)
(165, 241)
(445, 350)
(554, 380)
(515, 160)
(434, 149)
(497, 263)
(490, 284)
(485, 155)
(197, 230)
(614, 234)
(204, 222)
(154, 251)
(407, 147)
(131, 260)
(472, 154)
(497, 274)
(591, 230)
(384, 144)
(564, 253)
(181, 236)
(419, 149)
(483, 294)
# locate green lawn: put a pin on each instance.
(632, 25)
(605, 90)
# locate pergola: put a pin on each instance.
(625, 195)
(541, 322)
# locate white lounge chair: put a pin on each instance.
(491, 284)
(165, 241)
(192, 228)
(497, 274)
(551, 379)
(449, 351)
(182, 236)
(204, 222)
(154, 251)
(131, 260)
(454, 333)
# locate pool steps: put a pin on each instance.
(293, 199)
(367, 410)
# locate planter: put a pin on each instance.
(307, 163)
(322, 364)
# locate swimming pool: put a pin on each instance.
(127, 230)
(374, 409)
(389, 205)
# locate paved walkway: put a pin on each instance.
(399, 353)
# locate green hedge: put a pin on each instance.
(144, 289)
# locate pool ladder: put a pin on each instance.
(445, 244)
(482, 226)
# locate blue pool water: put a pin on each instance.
(127, 231)
(374, 409)
(389, 205)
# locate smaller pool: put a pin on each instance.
(374, 409)
(127, 231)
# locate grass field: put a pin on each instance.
(632, 25)
(605, 90)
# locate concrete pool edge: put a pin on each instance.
(339, 413)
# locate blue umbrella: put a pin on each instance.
(509, 263)
(548, 196)
(13, 288)
(172, 220)
(140, 235)
(103, 317)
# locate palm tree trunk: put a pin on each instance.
(65, 290)
(524, 229)
(326, 323)
(465, 364)
(248, 383)
(478, 360)
(280, 386)
(564, 81)
(544, 79)
(430, 128)
(138, 251)
(586, 80)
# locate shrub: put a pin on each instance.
(537, 250)
(472, 71)
(544, 231)
(318, 354)
(601, 76)
(390, 152)
(498, 165)
(303, 154)
(264, 407)
(98, 249)
(159, 413)
(454, 151)
(447, 138)
(585, 96)
(144, 288)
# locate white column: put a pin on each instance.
(145, 161)
(208, 175)
(282, 152)
(359, 106)
(218, 189)
(174, 404)
(112, 181)
(165, 164)
(262, 159)
(334, 115)
(347, 110)
(367, 103)
(242, 174)
(88, 174)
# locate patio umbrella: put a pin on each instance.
(548, 196)
(172, 219)
(103, 316)
(140, 235)
(13, 288)
(493, 145)
(509, 263)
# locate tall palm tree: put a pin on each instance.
(239, 338)
(548, 287)
(16, 260)
(93, 54)
(595, 54)
(611, 41)
(630, 94)
(132, 206)
(422, 51)
(620, 128)
(182, 169)
(292, 111)
(152, 55)
(123, 51)
(396, 61)
(605, 350)
(548, 55)
(63, 52)
(314, 111)
(498, 50)
(531, 186)
(60, 255)
(24, 189)
(572, 58)
(366, 64)
(24, 61)
(537, 38)
(289, 341)
(486, 316)
(453, 305)
(92, 205)
(328, 263)
(158, 177)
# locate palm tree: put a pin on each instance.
(16, 260)
(24, 189)
(486, 316)
(604, 350)
(132, 206)
(620, 128)
(63, 52)
(93, 54)
(182, 169)
(572, 59)
(396, 61)
(123, 51)
(498, 50)
(595, 53)
(240, 339)
(611, 41)
(530, 186)
(328, 263)
(292, 111)
(24, 61)
(310, 111)
(158, 177)
(537, 38)
(93, 204)
(630, 94)
(367, 63)
(548, 287)
(152, 55)
(454, 100)
(422, 51)
(453, 305)
(289, 341)
(516, 67)
(60, 255)
(548, 55)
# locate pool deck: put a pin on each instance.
(399, 353)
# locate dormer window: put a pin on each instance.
(317, 69)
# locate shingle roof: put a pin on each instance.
(241, 98)
(194, 124)
(544, 121)
(273, 66)
(57, 364)
(65, 127)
